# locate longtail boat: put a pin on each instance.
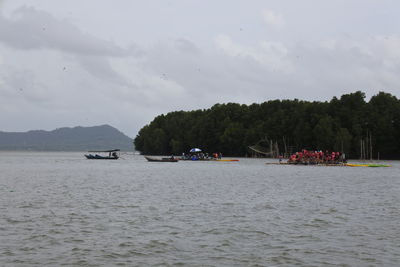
(153, 159)
(112, 154)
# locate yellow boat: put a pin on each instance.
(367, 165)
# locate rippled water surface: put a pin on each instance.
(61, 209)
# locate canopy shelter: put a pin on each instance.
(194, 150)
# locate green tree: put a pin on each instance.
(324, 134)
(230, 128)
(343, 141)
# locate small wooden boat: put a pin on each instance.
(153, 159)
(226, 160)
(197, 159)
(112, 154)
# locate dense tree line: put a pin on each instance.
(339, 125)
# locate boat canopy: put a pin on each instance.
(108, 151)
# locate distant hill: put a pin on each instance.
(67, 139)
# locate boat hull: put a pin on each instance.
(151, 159)
(90, 156)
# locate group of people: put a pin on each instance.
(201, 156)
(217, 155)
(316, 157)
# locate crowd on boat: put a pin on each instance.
(201, 156)
(307, 157)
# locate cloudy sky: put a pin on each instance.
(92, 62)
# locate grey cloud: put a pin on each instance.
(186, 46)
(101, 68)
(314, 72)
(19, 88)
(140, 82)
(34, 29)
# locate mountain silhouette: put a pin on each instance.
(67, 139)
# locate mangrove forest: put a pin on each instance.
(349, 124)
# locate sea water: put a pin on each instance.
(61, 209)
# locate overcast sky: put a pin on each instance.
(92, 62)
